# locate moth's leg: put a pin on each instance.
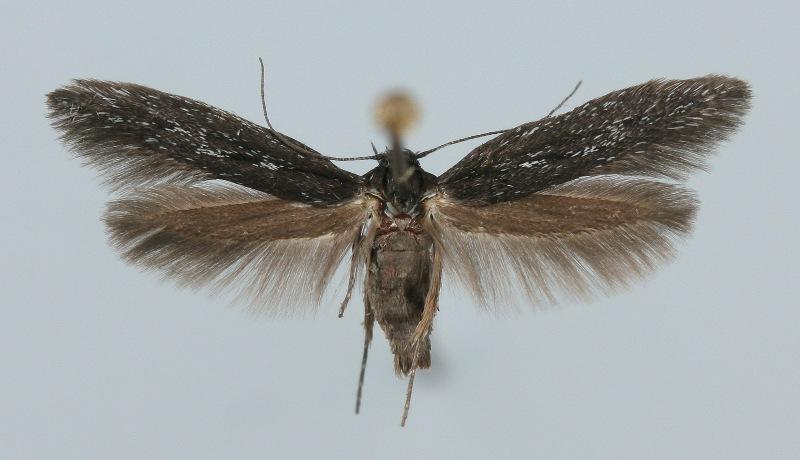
(365, 249)
(425, 324)
(361, 250)
(369, 322)
(410, 387)
(423, 329)
(351, 280)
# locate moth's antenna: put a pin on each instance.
(284, 140)
(292, 145)
(561, 104)
(263, 96)
(475, 136)
(377, 156)
(427, 152)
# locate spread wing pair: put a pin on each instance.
(570, 204)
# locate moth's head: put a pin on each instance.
(398, 180)
(401, 164)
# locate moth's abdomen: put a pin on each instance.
(398, 282)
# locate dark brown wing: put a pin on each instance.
(281, 254)
(660, 129)
(591, 235)
(137, 136)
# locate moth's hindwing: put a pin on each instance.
(588, 236)
(280, 255)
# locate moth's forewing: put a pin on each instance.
(138, 136)
(660, 129)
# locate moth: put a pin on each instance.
(557, 209)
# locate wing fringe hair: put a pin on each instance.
(589, 236)
(281, 254)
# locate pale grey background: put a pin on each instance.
(101, 361)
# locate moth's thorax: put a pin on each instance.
(401, 183)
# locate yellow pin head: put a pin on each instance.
(396, 112)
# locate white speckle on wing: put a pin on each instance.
(210, 152)
(268, 165)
